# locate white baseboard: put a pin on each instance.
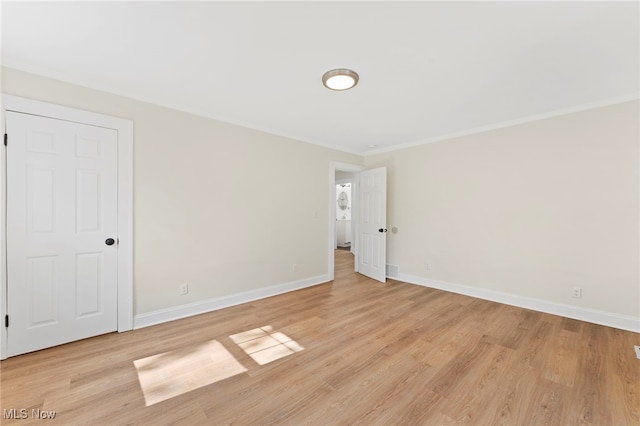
(623, 322)
(169, 314)
(610, 319)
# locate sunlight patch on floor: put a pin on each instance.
(173, 373)
(264, 345)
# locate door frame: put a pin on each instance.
(343, 167)
(124, 128)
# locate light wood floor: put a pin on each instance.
(353, 351)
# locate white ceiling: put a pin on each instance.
(428, 70)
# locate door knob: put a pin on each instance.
(382, 230)
(109, 241)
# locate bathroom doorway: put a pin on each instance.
(343, 212)
(343, 215)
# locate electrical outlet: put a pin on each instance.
(427, 267)
(637, 348)
(294, 268)
(577, 293)
(184, 289)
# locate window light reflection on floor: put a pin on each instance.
(264, 345)
(173, 373)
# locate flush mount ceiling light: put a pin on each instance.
(340, 79)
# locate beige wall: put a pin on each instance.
(530, 210)
(221, 207)
(340, 175)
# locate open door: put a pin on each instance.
(372, 223)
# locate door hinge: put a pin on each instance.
(6, 320)
(6, 138)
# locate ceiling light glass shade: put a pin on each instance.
(340, 79)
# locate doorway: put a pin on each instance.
(344, 206)
(368, 229)
(342, 173)
(66, 184)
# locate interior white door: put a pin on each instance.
(61, 210)
(372, 226)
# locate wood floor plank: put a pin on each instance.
(352, 351)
